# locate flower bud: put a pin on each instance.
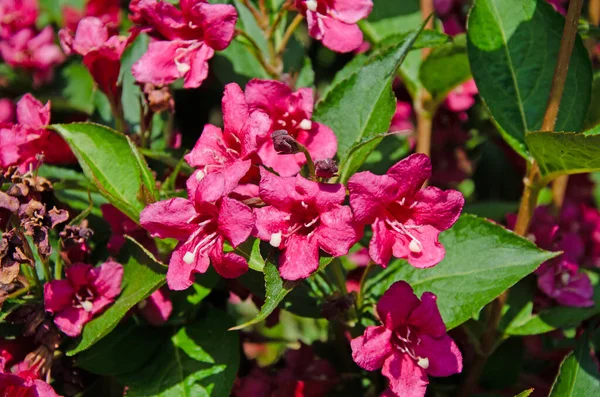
(326, 168)
(284, 143)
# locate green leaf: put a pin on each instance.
(445, 68)
(391, 17)
(250, 26)
(251, 251)
(482, 261)
(427, 39)
(237, 64)
(276, 289)
(79, 87)
(578, 374)
(306, 77)
(113, 164)
(142, 277)
(593, 116)
(363, 104)
(563, 153)
(513, 48)
(126, 349)
(553, 318)
(201, 359)
(525, 393)
(132, 94)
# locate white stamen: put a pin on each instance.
(306, 124)
(415, 247)
(309, 224)
(200, 175)
(423, 362)
(282, 123)
(311, 5)
(182, 68)
(188, 258)
(275, 240)
(565, 278)
(286, 114)
(304, 205)
(402, 201)
(87, 306)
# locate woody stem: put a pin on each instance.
(531, 191)
(288, 33)
(309, 161)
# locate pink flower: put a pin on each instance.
(7, 111)
(12, 385)
(20, 143)
(561, 280)
(101, 53)
(292, 112)
(302, 217)
(184, 39)
(157, 308)
(462, 97)
(35, 53)
(411, 345)
(121, 225)
(406, 220)
(225, 157)
(334, 22)
(86, 291)
(16, 15)
(107, 10)
(202, 228)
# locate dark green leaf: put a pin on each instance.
(113, 164)
(445, 68)
(306, 77)
(482, 261)
(237, 64)
(363, 104)
(201, 359)
(563, 153)
(555, 317)
(391, 17)
(142, 277)
(513, 48)
(427, 39)
(578, 374)
(593, 116)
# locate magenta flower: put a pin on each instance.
(7, 111)
(20, 143)
(292, 112)
(406, 220)
(411, 345)
(225, 157)
(157, 308)
(86, 291)
(334, 22)
(34, 52)
(107, 10)
(302, 217)
(561, 280)
(17, 15)
(15, 385)
(202, 228)
(120, 226)
(101, 53)
(462, 97)
(184, 40)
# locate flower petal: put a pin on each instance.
(406, 378)
(58, 295)
(412, 172)
(236, 221)
(169, 218)
(325, 196)
(351, 11)
(437, 208)
(269, 221)
(157, 308)
(79, 274)
(370, 194)
(396, 304)
(431, 251)
(208, 148)
(339, 36)
(337, 232)
(31, 113)
(218, 23)
(71, 321)
(300, 258)
(267, 94)
(320, 141)
(228, 265)
(277, 191)
(158, 66)
(219, 183)
(382, 242)
(426, 317)
(180, 275)
(371, 349)
(197, 59)
(443, 354)
(107, 279)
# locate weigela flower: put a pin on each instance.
(85, 292)
(224, 158)
(21, 143)
(23, 384)
(33, 52)
(101, 53)
(184, 39)
(406, 220)
(411, 345)
(107, 10)
(7, 111)
(157, 308)
(302, 217)
(561, 280)
(202, 228)
(292, 112)
(334, 22)
(16, 15)
(462, 97)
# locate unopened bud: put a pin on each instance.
(326, 168)
(159, 99)
(284, 143)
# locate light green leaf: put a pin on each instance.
(578, 374)
(513, 48)
(363, 104)
(237, 64)
(113, 164)
(132, 94)
(563, 153)
(142, 277)
(525, 393)
(201, 359)
(482, 261)
(79, 87)
(391, 17)
(306, 77)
